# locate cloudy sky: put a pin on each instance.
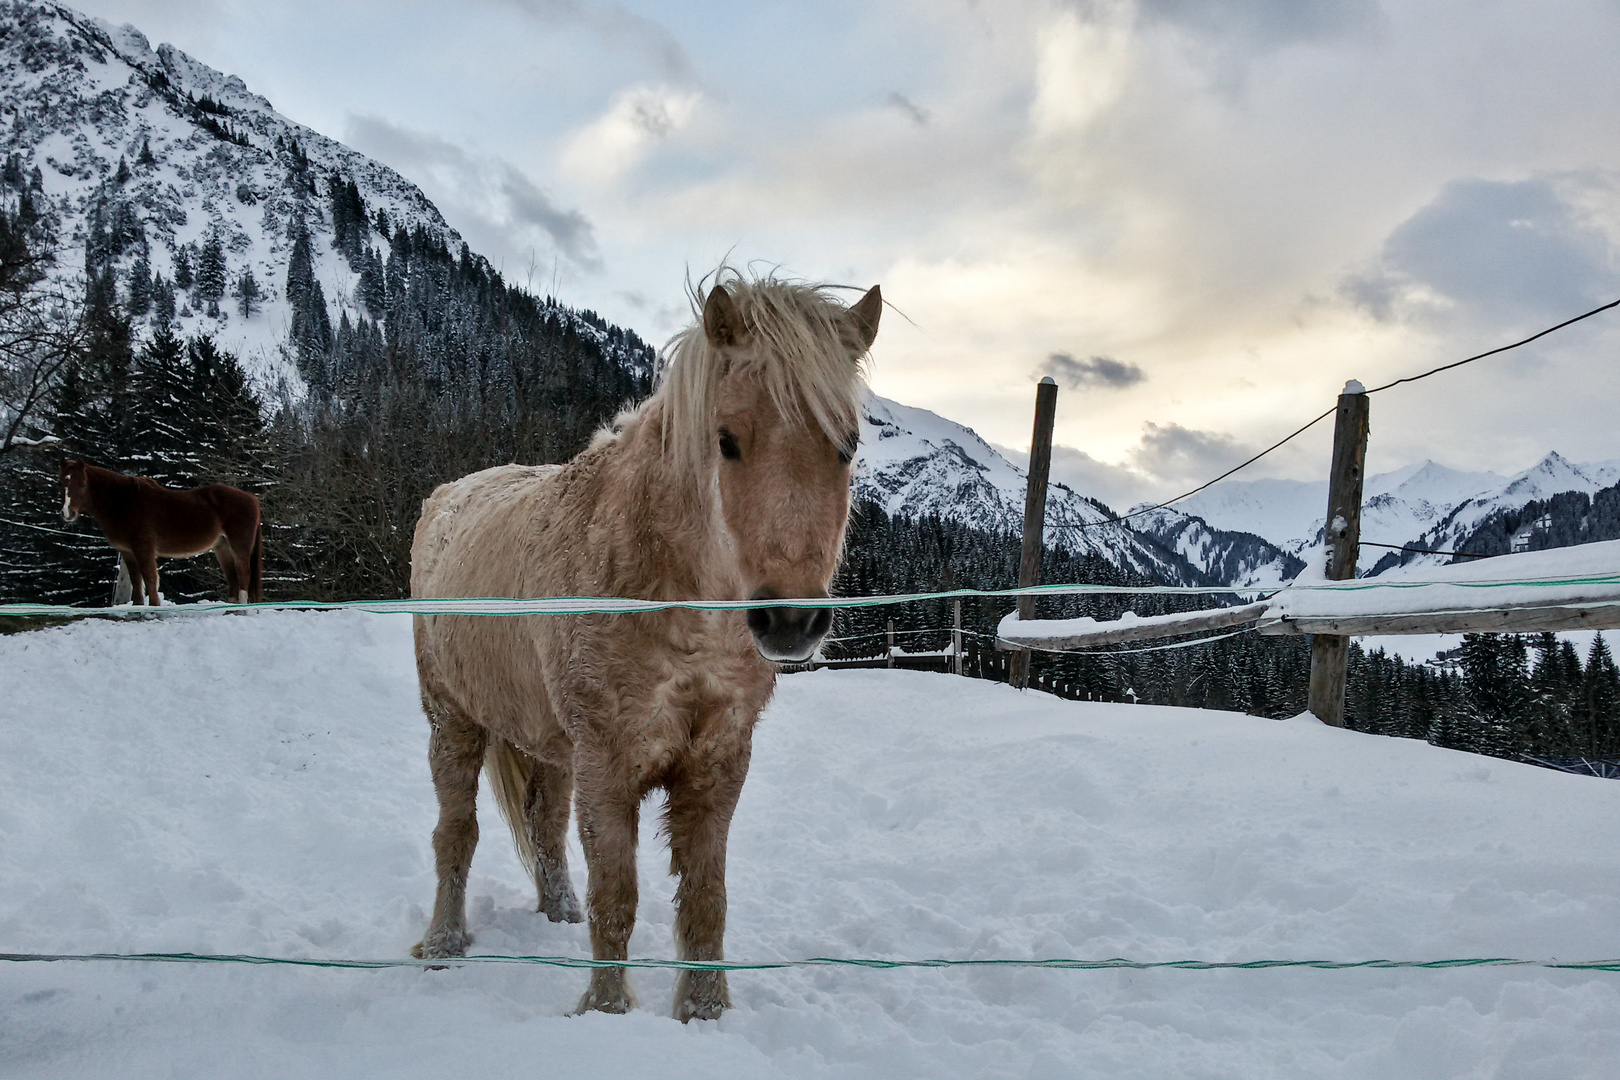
(1200, 216)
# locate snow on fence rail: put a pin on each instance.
(1574, 588)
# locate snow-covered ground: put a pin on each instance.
(257, 784)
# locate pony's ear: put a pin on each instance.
(863, 318)
(722, 321)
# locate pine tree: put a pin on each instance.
(1600, 701)
(162, 301)
(145, 157)
(212, 275)
(247, 293)
(140, 285)
(183, 277)
(371, 291)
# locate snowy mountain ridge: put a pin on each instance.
(1425, 505)
(914, 462)
(139, 154)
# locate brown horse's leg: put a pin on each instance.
(228, 563)
(698, 820)
(609, 809)
(129, 578)
(545, 809)
(146, 563)
(455, 754)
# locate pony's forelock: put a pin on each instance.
(799, 338)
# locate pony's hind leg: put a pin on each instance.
(455, 754)
(698, 820)
(545, 810)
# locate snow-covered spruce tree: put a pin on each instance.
(140, 285)
(184, 278)
(247, 293)
(1599, 710)
(212, 273)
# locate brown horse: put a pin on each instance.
(143, 520)
(730, 482)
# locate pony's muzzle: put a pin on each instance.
(787, 635)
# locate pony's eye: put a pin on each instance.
(846, 452)
(728, 446)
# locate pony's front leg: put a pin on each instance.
(698, 821)
(609, 811)
(455, 754)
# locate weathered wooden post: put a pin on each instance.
(1040, 464)
(956, 640)
(1330, 653)
(891, 643)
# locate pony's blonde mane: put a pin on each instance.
(801, 345)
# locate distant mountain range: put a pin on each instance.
(1426, 505)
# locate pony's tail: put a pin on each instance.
(256, 566)
(509, 770)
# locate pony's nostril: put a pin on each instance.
(759, 620)
(820, 622)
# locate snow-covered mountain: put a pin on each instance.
(1552, 475)
(915, 462)
(1426, 505)
(142, 153)
(1224, 556)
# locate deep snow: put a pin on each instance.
(257, 783)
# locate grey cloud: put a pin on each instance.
(1498, 250)
(1117, 486)
(617, 26)
(914, 112)
(1173, 452)
(1100, 371)
(490, 201)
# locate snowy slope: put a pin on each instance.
(258, 784)
(1227, 557)
(79, 95)
(915, 462)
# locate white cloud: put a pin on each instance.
(621, 138)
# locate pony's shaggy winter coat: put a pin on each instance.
(730, 482)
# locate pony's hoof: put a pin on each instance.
(701, 995)
(442, 945)
(609, 995)
(687, 1010)
(563, 908)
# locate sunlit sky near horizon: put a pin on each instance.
(1200, 217)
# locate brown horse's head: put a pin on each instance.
(75, 489)
(781, 401)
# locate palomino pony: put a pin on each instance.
(143, 520)
(730, 482)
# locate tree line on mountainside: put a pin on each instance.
(450, 369)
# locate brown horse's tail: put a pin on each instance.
(256, 566)
(509, 770)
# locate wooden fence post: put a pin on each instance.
(956, 640)
(891, 643)
(1029, 566)
(1330, 653)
